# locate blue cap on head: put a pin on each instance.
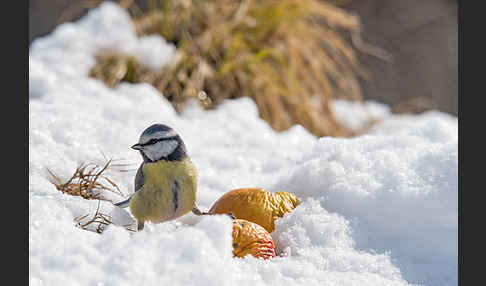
(157, 131)
(156, 128)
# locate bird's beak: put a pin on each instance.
(137, 147)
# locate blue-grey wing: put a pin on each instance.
(139, 180)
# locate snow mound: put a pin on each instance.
(379, 209)
(399, 189)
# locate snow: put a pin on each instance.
(361, 114)
(378, 209)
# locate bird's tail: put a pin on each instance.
(123, 204)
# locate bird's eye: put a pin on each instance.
(152, 141)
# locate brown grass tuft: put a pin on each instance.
(90, 183)
(87, 182)
(97, 223)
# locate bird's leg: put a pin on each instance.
(140, 225)
(198, 212)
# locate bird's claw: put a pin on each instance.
(198, 212)
(231, 215)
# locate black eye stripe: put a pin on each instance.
(153, 141)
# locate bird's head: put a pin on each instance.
(160, 142)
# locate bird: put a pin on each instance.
(166, 181)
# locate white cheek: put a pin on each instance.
(160, 149)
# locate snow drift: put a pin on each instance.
(379, 209)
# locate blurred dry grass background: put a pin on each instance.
(290, 57)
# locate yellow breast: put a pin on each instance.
(168, 191)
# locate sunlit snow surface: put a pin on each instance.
(379, 209)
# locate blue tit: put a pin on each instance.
(166, 181)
